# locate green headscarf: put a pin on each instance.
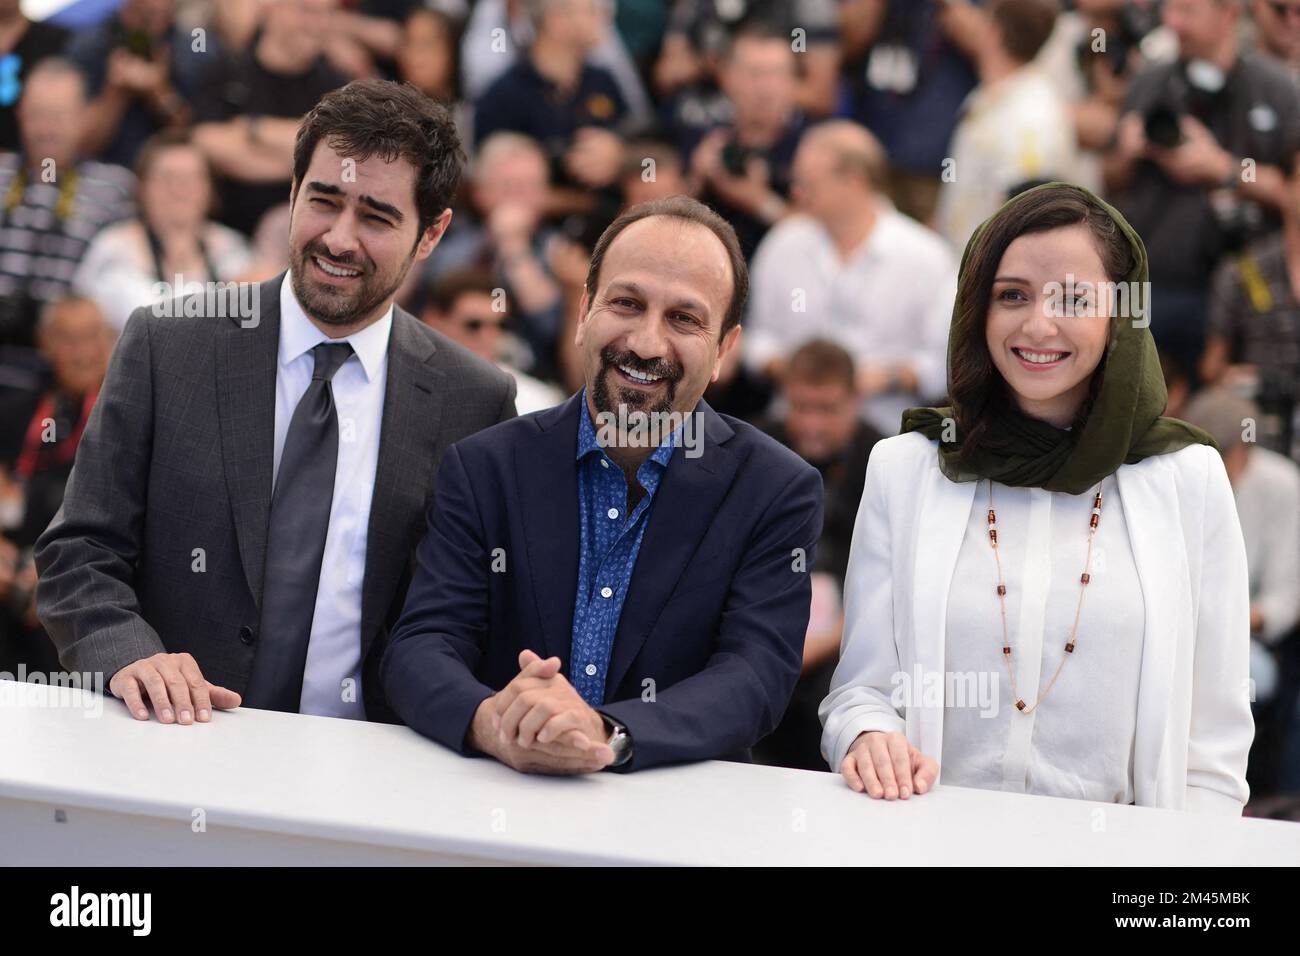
(1124, 425)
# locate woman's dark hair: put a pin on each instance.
(688, 210)
(453, 32)
(821, 362)
(977, 389)
(380, 117)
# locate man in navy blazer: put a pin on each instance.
(620, 581)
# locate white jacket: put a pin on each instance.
(1194, 725)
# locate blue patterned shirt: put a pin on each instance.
(610, 541)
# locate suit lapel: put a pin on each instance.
(944, 513)
(1149, 511)
(404, 473)
(246, 369)
(682, 511)
(546, 474)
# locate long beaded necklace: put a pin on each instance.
(1093, 521)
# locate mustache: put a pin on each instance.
(658, 367)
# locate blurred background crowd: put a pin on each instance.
(853, 144)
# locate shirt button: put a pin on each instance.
(604, 463)
(606, 592)
(612, 512)
(591, 670)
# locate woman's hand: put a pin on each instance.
(886, 765)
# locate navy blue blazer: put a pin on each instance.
(710, 642)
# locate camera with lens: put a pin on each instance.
(1238, 221)
(736, 157)
(1133, 22)
(1193, 89)
(135, 41)
(1162, 124)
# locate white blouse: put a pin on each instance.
(117, 271)
(1079, 742)
(1172, 570)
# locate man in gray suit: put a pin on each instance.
(246, 498)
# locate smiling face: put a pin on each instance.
(1046, 358)
(649, 334)
(352, 238)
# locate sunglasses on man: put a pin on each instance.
(475, 325)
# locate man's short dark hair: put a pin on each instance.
(446, 292)
(1024, 25)
(380, 117)
(821, 362)
(638, 151)
(688, 210)
(753, 28)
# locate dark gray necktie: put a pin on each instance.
(295, 541)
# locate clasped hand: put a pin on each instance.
(538, 723)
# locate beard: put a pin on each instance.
(608, 400)
(337, 306)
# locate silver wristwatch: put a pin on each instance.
(619, 741)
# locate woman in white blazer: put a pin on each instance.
(1047, 587)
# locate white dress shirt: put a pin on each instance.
(1079, 743)
(334, 654)
(889, 302)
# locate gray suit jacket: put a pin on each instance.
(177, 456)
